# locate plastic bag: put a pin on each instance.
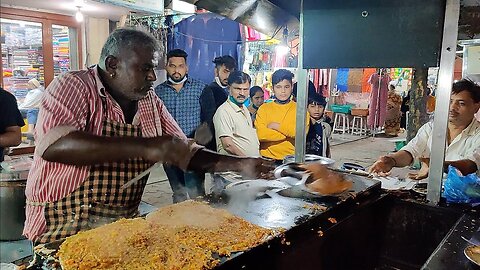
(461, 189)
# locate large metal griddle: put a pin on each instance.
(272, 210)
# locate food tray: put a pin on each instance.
(341, 108)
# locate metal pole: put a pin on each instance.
(300, 131)
(445, 80)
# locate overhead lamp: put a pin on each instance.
(79, 15)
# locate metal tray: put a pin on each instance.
(44, 256)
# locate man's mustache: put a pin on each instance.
(241, 96)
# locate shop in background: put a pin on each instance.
(36, 45)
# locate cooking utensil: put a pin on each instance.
(141, 175)
(202, 136)
(469, 241)
(12, 206)
(255, 187)
(420, 188)
(311, 159)
(355, 172)
(300, 188)
(473, 254)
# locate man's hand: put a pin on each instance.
(423, 172)
(383, 166)
(274, 126)
(256, 167)
(168, 149)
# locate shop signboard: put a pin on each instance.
(372, 33)
(152, 6)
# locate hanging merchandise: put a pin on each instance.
(367, 73)
(342, 79)
(252, 34)
(378, 99)
(401, 79)
(355, 80)
(262, 57)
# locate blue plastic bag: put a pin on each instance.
(461, 189)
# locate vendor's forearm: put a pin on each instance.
(12, 137)
(465, 166)
(79, 148)
(208, 161)
(401, 158)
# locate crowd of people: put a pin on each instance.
(99, 127)
(259, 129)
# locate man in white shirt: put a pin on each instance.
(32, 103)
(234, 130)
(463, 136)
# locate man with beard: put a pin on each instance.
(224, 65)
(190, 105)
(463, 136)
(233, 125)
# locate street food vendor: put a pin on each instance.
(463, 136)
(97, 129)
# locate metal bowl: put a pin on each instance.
(473, 254)
(310, 159)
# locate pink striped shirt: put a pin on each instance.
(71, 103)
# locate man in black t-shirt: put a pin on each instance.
(224, 65)
(10, 122)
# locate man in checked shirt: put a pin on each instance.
(97, 129)
(190, 105)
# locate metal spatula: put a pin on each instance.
(202, 136)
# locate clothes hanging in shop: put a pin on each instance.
(378, 100)
(355, 80)
(367, 73)
(342, 79)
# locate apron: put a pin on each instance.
(99, 200)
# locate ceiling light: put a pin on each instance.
(79, 15)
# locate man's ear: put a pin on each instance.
(111, 63)
(477, 106)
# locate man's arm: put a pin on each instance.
(288, 128)
(207, 161)
(11, 137)
(12, 119)
(230, 147)
(385, 164)
(81, 148)
(465, 166)
(415, 148)
(207, 105)
(264, 133)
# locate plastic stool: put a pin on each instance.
(359, 125)
(341, 123)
